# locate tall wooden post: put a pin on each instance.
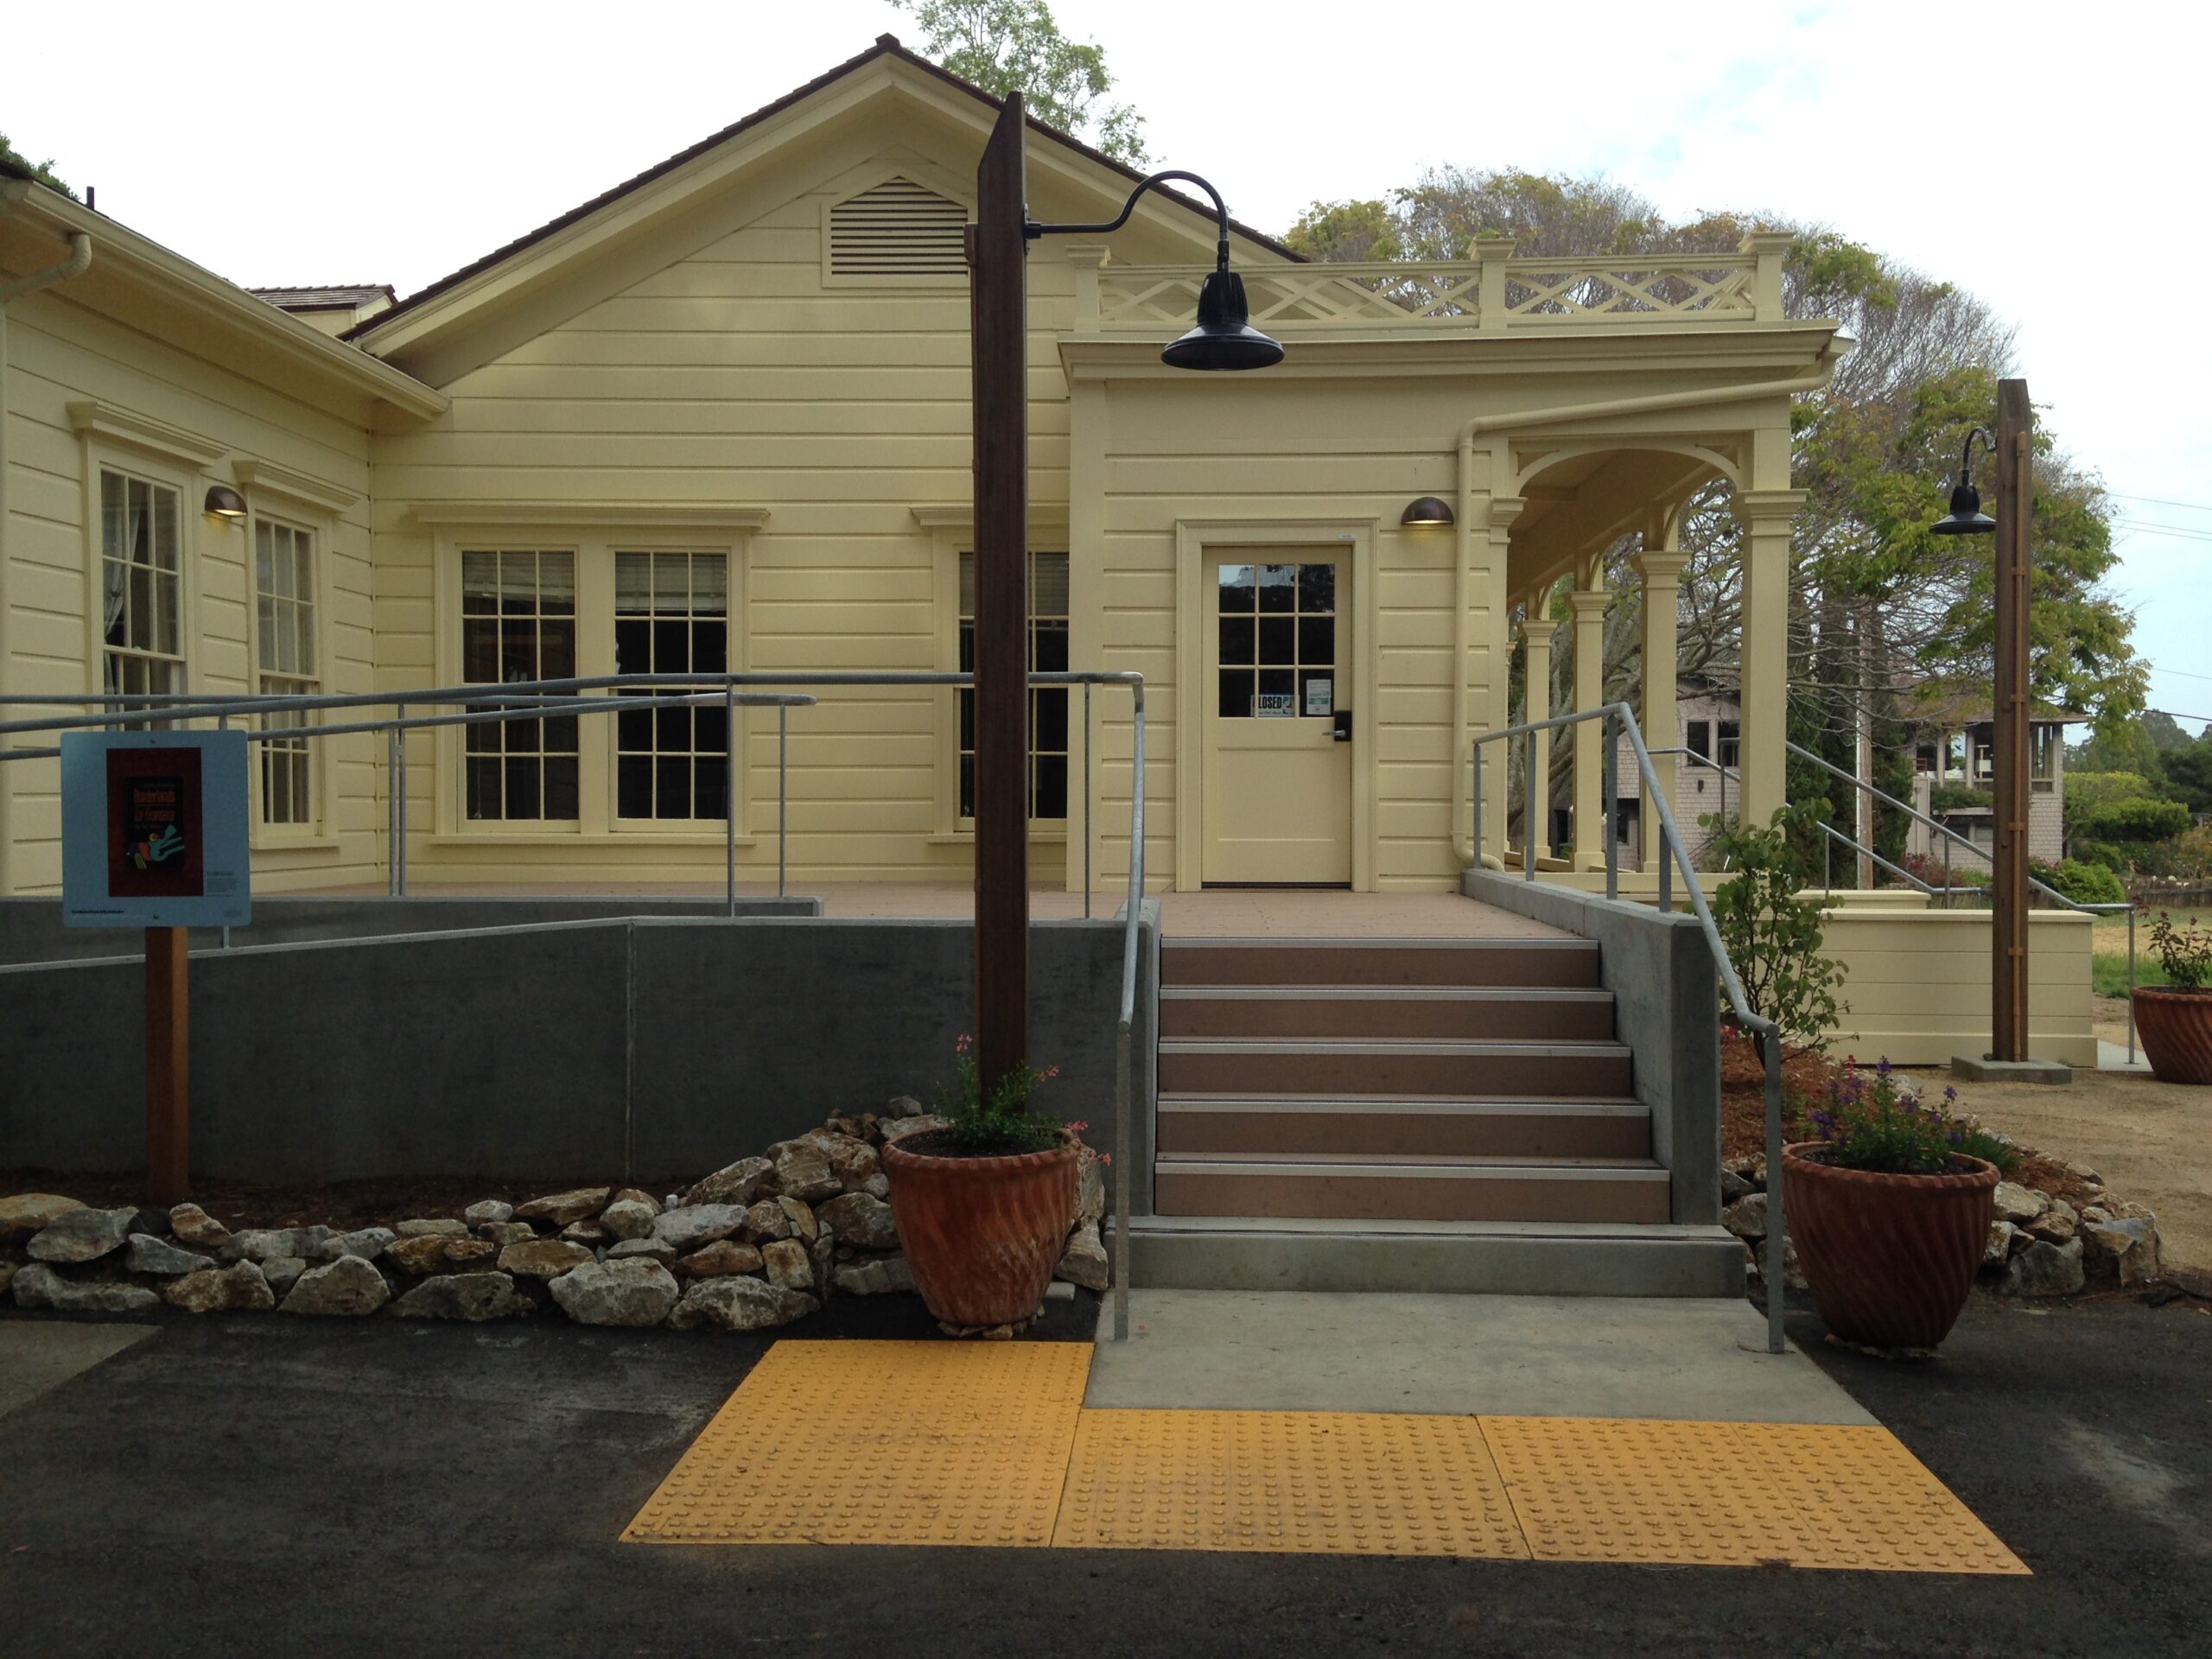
(169, 1048)
(2008, 930)
(998, 312)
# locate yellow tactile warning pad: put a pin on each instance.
(988, 1444)
(1589, 1489)
(880, 1443)
(1330, 1482)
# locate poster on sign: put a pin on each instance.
(154, 830)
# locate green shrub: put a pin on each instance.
(2140, 819)
(1952, 798)
(2085, 884)
(997, 1120)
(1772, 935)
(2184, 952)
(1870, 1125)
(2104, 853)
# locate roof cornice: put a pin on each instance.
(122, 254)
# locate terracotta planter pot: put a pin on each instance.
(982, 1235)
(2176, 1028)
(1890, 1258)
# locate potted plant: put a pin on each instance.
(2175, 1020)
(984, 1205)
(1891, 1209)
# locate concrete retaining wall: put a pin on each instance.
(1665, 1007)
(657, 1049)
(31, 930)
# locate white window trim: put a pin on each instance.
(952, 532)
(322, 833)
(113, 456)
(593, 535)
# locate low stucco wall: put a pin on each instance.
(31, 930)
(1665, 1007)
(1916, 984)
(658, 1049)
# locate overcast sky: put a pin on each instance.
(393, 143)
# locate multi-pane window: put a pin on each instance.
(141, 586)
(283, 603)
(1732, 743)
(1698, 738)
(672, 616)
(1048, 704)
(1278, 639)
(518, 622)
(2042, 758)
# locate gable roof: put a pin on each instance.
(887, 45)
(338, 297)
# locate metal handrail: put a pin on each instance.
(1672, 853)
(2034, 885)
(149, 706)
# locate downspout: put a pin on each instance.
(79, 259)
(1463, 847)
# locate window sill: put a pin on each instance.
(561, 836)
(266, 841)
(967, 837)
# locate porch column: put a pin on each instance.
(1589, 827)
(1661, 567)
(1768, 517)
(1536, 631)
(1490, 543)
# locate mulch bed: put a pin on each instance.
(1805, 1078)
(341, 1204)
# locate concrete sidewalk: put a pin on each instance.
(1683, 1358)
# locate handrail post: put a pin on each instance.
(1609, 766)
(223, 724)
(1086, 751)
(1528, 807)
(399, 806)
(1776, 1234)
(730, 801)
(1475, 797)
(1666, 878)
(392, 765)
(2131, 980)
(783, 796)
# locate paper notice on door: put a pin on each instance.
(1276, 705)
(1321, 695)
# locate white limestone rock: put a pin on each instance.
(1084, 1262)
(543, 1258)
(80, 1235)
(787, 1265)
(2020, 1205)
(627, 1218)
(723, 1256)
(637, 1291)
(861, 1220)
(347, 1288)
(196, 1228)
(488, 1212)
(561, 1208)
(31, 1212)
(2045, 1269)
(734, 1302)
(879, 1277)
(157, 1255)
(691, 1225)
(240, 1287)
(467, 1296)
(442, 1226)
(737, 1183)
(39, 1285)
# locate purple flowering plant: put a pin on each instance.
(1870, 1122)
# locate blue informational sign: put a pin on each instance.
(154, 830)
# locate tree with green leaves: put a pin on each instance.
(1016, 46)
(13, 161)
(1878, 604)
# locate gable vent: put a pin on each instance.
(897, 229)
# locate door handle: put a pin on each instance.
(1343, 732)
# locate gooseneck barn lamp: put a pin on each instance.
(1224, 337)
(1966, 517)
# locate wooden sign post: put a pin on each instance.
(999, 323)
(169, 1060)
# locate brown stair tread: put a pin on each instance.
(1320, 993)
(1370, 1104)
(1577, 1047)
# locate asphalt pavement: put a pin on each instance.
(249, 1485)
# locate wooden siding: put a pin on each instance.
(59, 354)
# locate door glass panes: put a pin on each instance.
(284, 639)
(141, 586)
(1277, 639)
(1048, 704)
(518, 622)
(672, 616)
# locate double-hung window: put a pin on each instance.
(518, 622)
(1730, 735)
(1048, 704)
(142, 596)
(284, 622)
(672, 616)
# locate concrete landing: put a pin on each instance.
(1687, 1359)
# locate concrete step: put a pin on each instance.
(1305, 1185)
(1523, 1013)
(1562, 1070)
(1535, 1130)
(1473, 1258)
(1559, 963)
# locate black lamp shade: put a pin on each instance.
(1428, 509)
(1966, 517)
(224, 502)
(1224, 338)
